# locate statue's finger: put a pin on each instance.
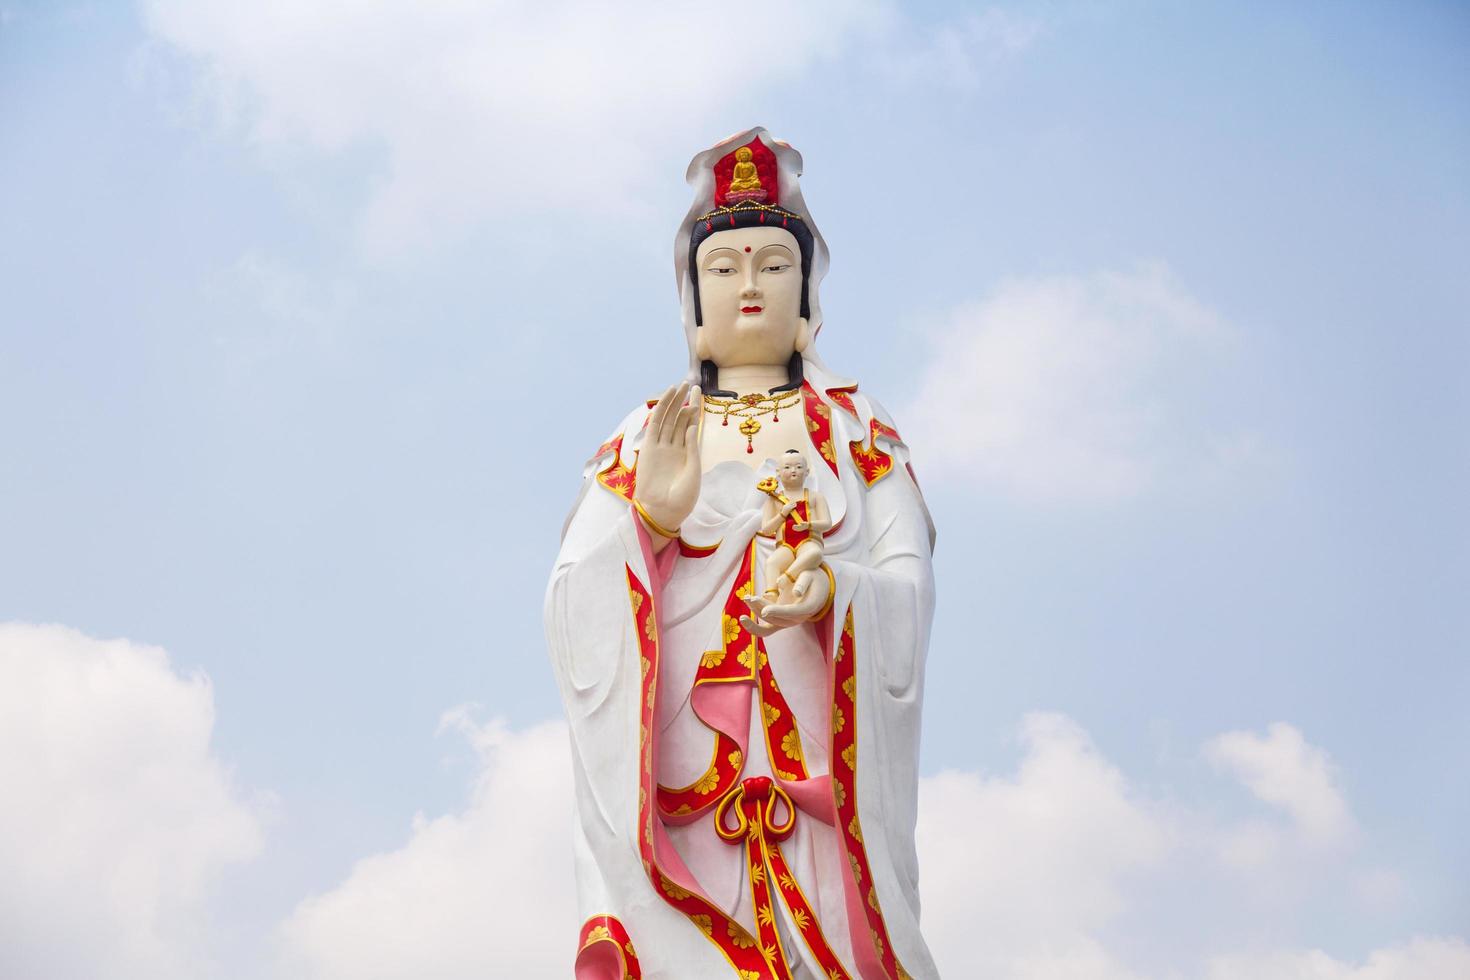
(691, 446)
(692, 433)
(791, 613)
(656, 417)
(804, 608)
(679, 431)
(676, 402)
(696, 418)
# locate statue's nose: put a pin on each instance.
(751, 289)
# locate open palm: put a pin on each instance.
(668, 461)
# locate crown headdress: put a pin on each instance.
(746, 181)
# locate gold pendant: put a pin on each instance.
(748, 429)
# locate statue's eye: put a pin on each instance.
(781, 267)
(720, 270)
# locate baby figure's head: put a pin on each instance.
(791, 468)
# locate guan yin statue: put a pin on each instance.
(738, 620)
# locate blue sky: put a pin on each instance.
(309, 317)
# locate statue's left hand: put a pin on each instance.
(818, 587)
(668, 461)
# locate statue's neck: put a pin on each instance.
(748, 378)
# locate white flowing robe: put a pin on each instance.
(631, 732)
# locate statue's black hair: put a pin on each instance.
(751, 218)
(709, 378)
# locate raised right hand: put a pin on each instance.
(668, 461)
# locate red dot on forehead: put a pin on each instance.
(747, 248)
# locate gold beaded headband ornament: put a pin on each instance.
(771, 210)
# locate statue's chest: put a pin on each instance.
(753, 441)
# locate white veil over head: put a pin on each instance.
(701, 176)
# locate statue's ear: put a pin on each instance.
(803, 334)
(701, 348)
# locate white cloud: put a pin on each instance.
(486, 892)
(1380, 888)
(1423, 958)
(492, 109)
(1284, 770)
(1055, 872)
(1051, 872)
(1041, 858)
(117, 817)
(1074, 388)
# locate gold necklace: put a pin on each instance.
(748, 409)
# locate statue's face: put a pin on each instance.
(792, 470)
(750, 297)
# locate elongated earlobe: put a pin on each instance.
(701, 348)
(803, 334)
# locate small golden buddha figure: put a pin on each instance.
(745, 177)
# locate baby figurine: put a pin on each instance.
(797, 518)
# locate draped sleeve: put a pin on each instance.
(599, 618)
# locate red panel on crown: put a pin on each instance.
(751, 185)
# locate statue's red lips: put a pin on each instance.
(750, 309)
